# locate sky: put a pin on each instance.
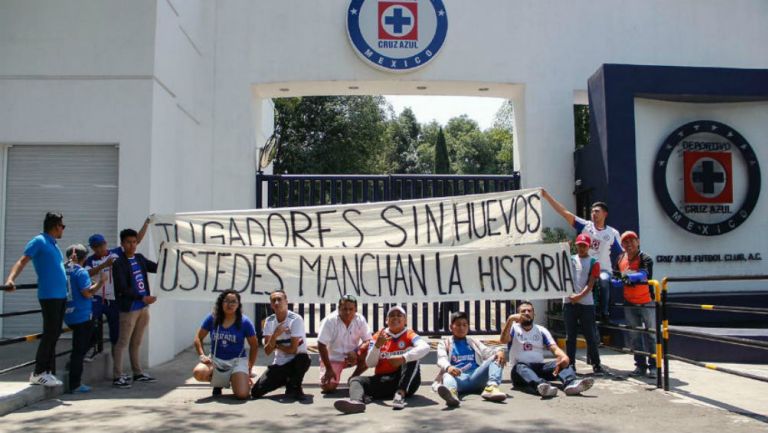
(442, 108)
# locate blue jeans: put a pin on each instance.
(584, 315)
(638, 317)
(489, 372)
(604, 292)
(530, 375)
(109, 309)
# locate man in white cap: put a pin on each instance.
(395, 352)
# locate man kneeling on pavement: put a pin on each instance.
(526, 342)
(467, 365)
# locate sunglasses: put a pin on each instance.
(349, 298)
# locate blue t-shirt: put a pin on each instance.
(463, 357)
(229, 342)
(49, 265)
(78, 309)
(141, 285)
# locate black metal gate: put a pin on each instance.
(275, 191)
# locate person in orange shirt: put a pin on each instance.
(636, 268)
(395, 352)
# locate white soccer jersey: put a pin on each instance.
(108, 289)
(604, 241)
(296, 324)
(528, 346)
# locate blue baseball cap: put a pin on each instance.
(96, 240)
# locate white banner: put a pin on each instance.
(198, 272)
(481, 220)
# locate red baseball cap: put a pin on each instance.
(583, 239)
(629, 234)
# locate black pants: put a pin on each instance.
(290, 375)
(584, 315)
(384, 386)
(53, 318)
(81, 342)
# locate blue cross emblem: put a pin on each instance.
(397, 20)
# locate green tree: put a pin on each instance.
(581, 125)
(330, 134)
(402, 138)
(470, 150)
(505, 116)
(442, 163)
(502, 142)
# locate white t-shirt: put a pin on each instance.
(296, 324)
(529, 346)
(604, 241)
(340, 338)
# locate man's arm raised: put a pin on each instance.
(559, 208)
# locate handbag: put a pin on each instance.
(222, 369)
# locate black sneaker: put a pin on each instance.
(349, 406)
(144, 377)
(216, 391)
(638, 371)
(121, 382)
(598, 370)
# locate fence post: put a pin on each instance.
(258, 190)
(659, 351)
(665, 331)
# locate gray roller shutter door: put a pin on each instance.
(77, 180)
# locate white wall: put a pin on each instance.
(183, 86)
(654, 121)
(549, 48)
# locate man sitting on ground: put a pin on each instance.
(395, 352)
(526, 342)
(341, 334)
(467, 365)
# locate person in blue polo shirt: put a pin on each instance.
(47, 259)
(78, 313)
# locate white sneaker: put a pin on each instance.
(398, 402)
(578, 386)
(493, 393)
(45, 379)
(546, 390)
(56, 380)
(449, 395)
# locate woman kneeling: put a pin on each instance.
(227, 364)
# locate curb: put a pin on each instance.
(96, 371)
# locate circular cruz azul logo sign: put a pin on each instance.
(398, 36)
(707, 178)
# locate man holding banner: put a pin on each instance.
(446, 249)
(605, 244)
(284, 335)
